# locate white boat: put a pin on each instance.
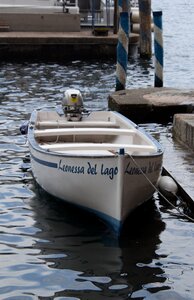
(100, 161)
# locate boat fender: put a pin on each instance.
(167, 186)
(24, 128)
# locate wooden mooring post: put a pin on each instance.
(145, 28)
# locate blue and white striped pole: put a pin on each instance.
(122, 51)
(158, 48)
(120, 4)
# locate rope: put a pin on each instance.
(156, 189)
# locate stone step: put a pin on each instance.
(183, 129)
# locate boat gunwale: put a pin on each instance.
(35, 145)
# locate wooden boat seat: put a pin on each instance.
(87, 124)
(97, 146)
(82, 131)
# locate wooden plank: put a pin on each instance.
(97, 146)
(61, 124)
(82, 131)
(182, 193)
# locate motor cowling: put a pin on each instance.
(72, 105)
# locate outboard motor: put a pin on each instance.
(72, 105)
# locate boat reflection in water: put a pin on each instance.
(80, 254)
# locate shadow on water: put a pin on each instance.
(89, 259)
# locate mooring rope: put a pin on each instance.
(157, 190)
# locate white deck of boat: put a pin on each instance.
(103, 135)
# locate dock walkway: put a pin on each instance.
(152, 104)
(61, 45)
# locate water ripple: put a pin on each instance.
(49, 250)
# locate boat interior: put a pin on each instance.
(95, 132)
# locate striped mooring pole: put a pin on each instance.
(120, 3)
(122, 46)
(158, 49)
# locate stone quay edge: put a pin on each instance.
(183, 129)
(152, 104)
(61, 45)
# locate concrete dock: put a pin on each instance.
(183, 129)
(61, 45)
(54, 33)
(144, 105)
(152, 104)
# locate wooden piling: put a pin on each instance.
(145, 28)
(115, 30)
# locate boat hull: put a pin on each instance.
(111, 187)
